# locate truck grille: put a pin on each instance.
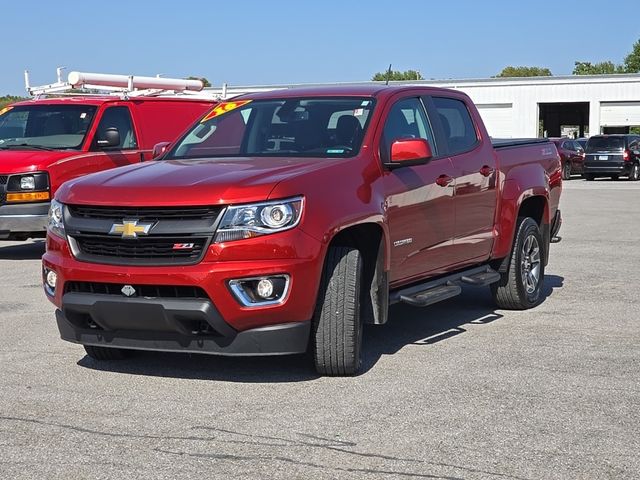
(142, 248)
(4, 179)
(144, 214)
(153, 291)
(178, 235)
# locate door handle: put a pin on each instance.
(444, 180)
(486, 170)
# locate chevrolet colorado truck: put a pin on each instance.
(47, 141)
(283, 221)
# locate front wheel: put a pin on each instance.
(566, 171)
(337, 326)
(521, 285)
(634, 175)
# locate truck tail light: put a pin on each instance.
(626, 155)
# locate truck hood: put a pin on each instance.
(188, 182)
(22, 161)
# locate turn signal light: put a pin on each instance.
(27, 197)
(626, 156)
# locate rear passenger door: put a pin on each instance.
(420, 211)
(474, 167)
(127, 151)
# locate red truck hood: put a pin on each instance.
(21, 161)
(181, 183)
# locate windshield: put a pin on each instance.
(296, 127)
(605, 144)
(45, 126)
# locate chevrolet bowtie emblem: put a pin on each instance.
(130, 228)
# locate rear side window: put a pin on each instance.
(605, 144)
(120, 118)
(457, 125)
(406, 119)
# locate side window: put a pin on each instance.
(406, 119)
(457, 125)
(634, 145)
(120, 118)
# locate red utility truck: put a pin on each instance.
(286, 220)
(47, 141)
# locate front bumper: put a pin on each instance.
(23, 218)
(143, 324)
(215, 322)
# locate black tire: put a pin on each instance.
(337, 326)
(634, 174)
(521, 285)
(105, 353)
(566, 171)
(589, 177)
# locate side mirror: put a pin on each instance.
(410, 151)
(159, 149)
(110, 139)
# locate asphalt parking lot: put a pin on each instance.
(457, 391)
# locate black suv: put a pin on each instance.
(612, 156)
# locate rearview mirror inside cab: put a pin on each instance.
(410, 151)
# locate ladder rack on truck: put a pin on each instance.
(126, 86)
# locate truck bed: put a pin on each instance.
(516, 142)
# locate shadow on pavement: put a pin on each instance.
(22, 251)
(406, 326)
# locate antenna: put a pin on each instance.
(388, 75)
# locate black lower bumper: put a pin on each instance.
(606, 168)
(170, 325)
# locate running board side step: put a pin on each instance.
(433, 295)
(443, 288)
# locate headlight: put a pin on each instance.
(27, 183)
(56, 216)
(253, 220)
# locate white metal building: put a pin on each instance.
(542, 106)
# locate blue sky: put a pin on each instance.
(262, 42)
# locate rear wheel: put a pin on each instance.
(566, 171)
(521, 285)
(634, 175)
(104, 353)
(337, 326)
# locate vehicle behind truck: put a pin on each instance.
(61, 134)
(284, 221)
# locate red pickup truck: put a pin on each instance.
(47, 141)
(286, 220)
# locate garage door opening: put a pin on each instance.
(620, 117)
(563, 119)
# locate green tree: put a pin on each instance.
(525, 72)
(8, 99)
(397, 75)
(600, 68)
(632, 61)
(204, 81)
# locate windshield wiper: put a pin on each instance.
(24, 146)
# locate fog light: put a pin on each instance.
(260, 291)
(50, 281)
(265, 288)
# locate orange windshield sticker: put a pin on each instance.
(5, 110)
(223, 107)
